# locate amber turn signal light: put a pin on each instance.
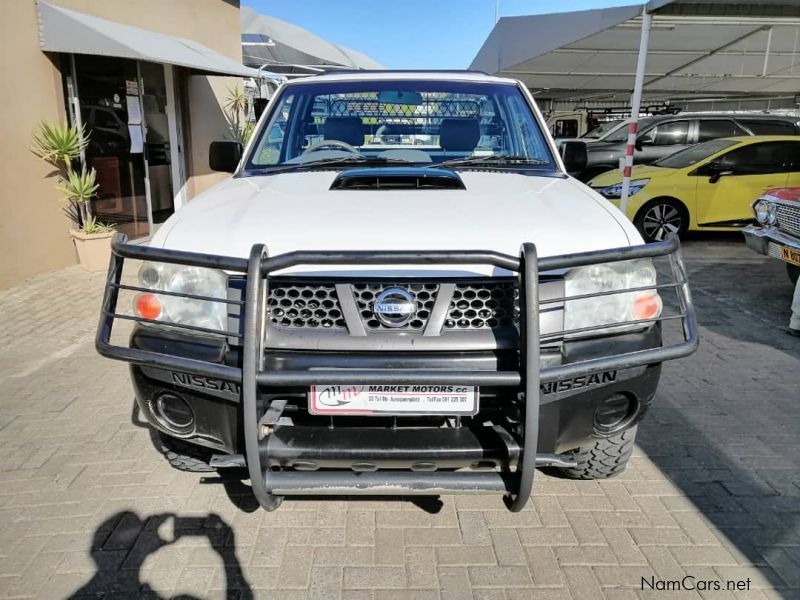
(148, 306)
(647, 306)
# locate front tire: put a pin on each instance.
(660, 217)
(605, 458)
(184, 456)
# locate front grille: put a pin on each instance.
(483, 305)
(774, 250)
(304, 306)
(424, 295)
(788, 218)
(474, 305)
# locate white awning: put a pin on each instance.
(286, 48)
(711, 48)
(64, 30)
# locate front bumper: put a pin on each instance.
(535, 392)
(769, 241)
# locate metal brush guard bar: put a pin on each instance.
(269, 486)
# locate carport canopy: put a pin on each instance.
(282, 47)
(710, 48)
(69, 31)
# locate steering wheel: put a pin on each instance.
(331, 144)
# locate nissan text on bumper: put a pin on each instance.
(348, 329)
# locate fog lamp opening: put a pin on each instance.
(614, 413)
(173, 413)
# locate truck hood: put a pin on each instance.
(298, 211)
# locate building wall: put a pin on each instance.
(33, 231)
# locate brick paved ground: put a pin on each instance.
(713, 491)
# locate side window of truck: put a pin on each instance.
(768, 127)
(565, 128)
(711, 129)
(670, 133)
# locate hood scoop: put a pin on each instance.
(398, 178)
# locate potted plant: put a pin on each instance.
(236, 114)
(61, 146)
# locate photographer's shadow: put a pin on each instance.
(122, 543)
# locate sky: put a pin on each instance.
(409, 34)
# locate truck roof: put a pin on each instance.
(408, 75)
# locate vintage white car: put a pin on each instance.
(344, 318)
(777, 229)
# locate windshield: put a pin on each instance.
(693, 154)
(483, 125)
(602, 129)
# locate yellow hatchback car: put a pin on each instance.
(707, 187)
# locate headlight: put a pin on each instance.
(765, 212)
(179, 279)
(610, 309)
(762, 212)
(612, 192)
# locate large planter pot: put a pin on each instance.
(94, 249)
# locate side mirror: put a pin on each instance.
(717, 171)
(643, 140)
(224, 156)
(574, 156)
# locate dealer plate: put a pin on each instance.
(381, 400)
(790, 255)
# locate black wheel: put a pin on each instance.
(794, 273)
(184, 456)
(658, 218)
(605, 458)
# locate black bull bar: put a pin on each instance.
(269, 485)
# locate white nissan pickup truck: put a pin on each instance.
(399, 290)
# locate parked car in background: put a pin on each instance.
(663, 135)
(709, 186)
(571, 124)
(603, 129)
(776, 232)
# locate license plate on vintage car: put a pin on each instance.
(381, 400)
(790, 255)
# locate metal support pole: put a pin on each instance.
(636, 102)
(766, 53)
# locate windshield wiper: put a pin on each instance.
(335, 162)
(492, 160)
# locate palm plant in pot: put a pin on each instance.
(61, 146)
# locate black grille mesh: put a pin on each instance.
(474, 305)
(483, 305)
(304, 306)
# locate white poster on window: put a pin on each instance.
(134, 110)
(137, 143)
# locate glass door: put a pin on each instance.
(104, 87)
(155, 124)
(123, 106)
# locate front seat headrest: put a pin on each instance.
(345, 129)
(459, 135)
